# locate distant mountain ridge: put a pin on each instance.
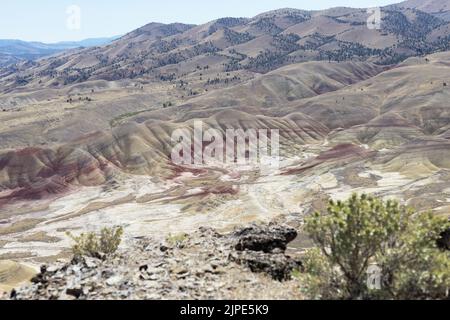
(241, 47)
(438, 8)
(12, 50)
(429, 6)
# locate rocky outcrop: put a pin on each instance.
(256, 238)
(262, 249)
(278, 266)
(204, 265)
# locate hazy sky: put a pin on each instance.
(48, 20)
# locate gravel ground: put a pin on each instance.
(249, 263)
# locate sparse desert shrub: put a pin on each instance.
(365, 231)
(178, 239)
(97, 245)
(321, 280)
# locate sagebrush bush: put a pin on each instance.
(365, 230)
(175, 240)
(96, 245)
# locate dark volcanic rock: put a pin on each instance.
(265, 239)
(74, 292)
(444, 241)
(278, 266)
(261, 249)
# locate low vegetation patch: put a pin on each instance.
(118, 120)
(20, 226)
(40, 237)
(178, 239)
(96, 245)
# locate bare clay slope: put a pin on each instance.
(412, 111)
(417, 91)
(112, 105)
(145, 149)
(272, 92)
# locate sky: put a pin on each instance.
(72, 20)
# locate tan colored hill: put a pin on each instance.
(366, 112)
(113, 104)
(35, 173)
(429, 6)
(229, 49)
(438, 8)
(12, 274)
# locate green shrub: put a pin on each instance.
(364, 231)
(175, 240)
(97, 245)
